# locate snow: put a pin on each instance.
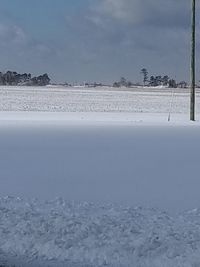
(84, 234)
(39, 118)
(100, 153)
(61, 99)
(153, 166)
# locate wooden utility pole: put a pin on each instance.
(192, 94)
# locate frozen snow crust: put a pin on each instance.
(59, 233)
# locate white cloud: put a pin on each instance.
(150, 12)
(19, 35)
(116, 9)
(12, 34)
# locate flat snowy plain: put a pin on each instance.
(77, 162)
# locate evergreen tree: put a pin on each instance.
(144, 72)
(123, 82)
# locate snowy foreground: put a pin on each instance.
(59, 233)
(115, 149)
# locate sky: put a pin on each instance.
(97, 40)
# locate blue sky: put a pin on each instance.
(96, 40)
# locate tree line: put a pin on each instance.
(151, 81)
(160, 80)
(14, 78)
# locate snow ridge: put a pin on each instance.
(84, 234)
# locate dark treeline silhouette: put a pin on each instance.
(152, 81)
(14, 78)
(159, 80)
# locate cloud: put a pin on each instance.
(158, 13)
(116, 9)
(103, 39)
(23, 53)
(142, 24)
(12, 34)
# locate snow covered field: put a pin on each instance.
(114, 149)
(60, 99)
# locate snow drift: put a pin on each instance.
(63, 233)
